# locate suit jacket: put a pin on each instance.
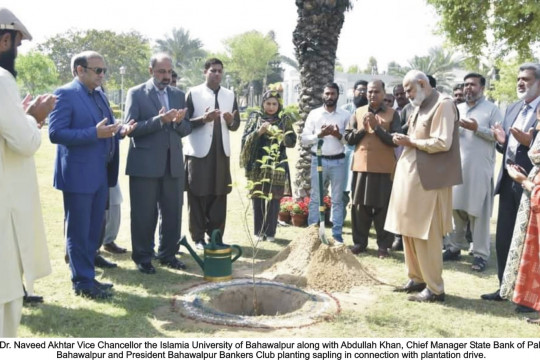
(522, 158)
(82, 159)
(151, 140)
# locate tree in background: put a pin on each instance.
(469, 24)
(130, 50)
(315, 40)
(439, 63)
(353, 69)
(371, 67)
(503, 86)
(251, 56)
(188, 56)
(36, 73)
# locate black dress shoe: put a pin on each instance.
(32, 299)
(397, 245)
(411, 286)
(357, 249)
(103, 286)
(449, 255)
(427, 296)
(103, 263)
(173, 263)
(494, 296)
(93, 293)
(146, 268)
(520, 309)
(114, 249)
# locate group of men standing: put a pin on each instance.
(442, 186)
(157, 117)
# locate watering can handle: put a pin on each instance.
(239, 252)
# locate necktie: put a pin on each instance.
(523, 116)
(162, 99)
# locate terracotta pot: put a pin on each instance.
(285, 217)
(299, 220)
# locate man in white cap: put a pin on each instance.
(24, 249)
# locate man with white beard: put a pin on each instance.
(514, 138)
(420, 206)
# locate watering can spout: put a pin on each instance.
(183, 241)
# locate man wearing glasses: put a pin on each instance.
(155, 165)
(83, 126)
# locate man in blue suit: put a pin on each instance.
(83, 126)
(514, 138)
(155, 165)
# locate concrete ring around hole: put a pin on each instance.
(259, 304)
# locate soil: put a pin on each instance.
(306, 262)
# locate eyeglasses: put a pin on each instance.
(97, 70)
(163, 71)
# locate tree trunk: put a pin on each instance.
(315, 39)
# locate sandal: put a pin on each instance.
(479, 264)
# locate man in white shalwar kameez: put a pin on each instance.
(473, 200)
(23, 249)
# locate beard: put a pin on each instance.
(419, 97)
(472, 98)
(529, 93)
(7, 59)
(359, 101)
(330, 102)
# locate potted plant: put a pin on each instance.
(299, 212)
(285, 207)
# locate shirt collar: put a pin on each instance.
(534, 104)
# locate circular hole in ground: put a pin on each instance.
(278, 305)
(259, 301)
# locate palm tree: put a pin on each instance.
(315, 40)
(186, 52)
(439, 63)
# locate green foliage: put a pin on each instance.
(36, 73)
(439, 63)
(131, 50)
(371, 67)
(188, 56)
(470, 24)
(504, 89)
(353, 69)
(292, 112)
(249, 56)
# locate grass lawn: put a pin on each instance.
(141, 305)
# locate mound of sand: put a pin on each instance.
(306, 262)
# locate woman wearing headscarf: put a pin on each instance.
(263, 129)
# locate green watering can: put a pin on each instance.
(217, 264)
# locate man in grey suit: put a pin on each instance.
(155, 165)
(514, 138)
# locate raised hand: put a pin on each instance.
(524, 138)
(469, 124)
(40, 107)
(498, 133)
(126, 129)
(228, 117)
(168, 116)
(212, 115)
(180, 115)
(106, 131)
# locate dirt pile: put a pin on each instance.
(306, 262)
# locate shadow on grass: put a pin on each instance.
(63, 321)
